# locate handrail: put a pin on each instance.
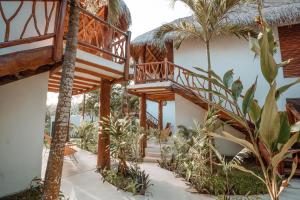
(152, 118)
(103, 39)
(167, 71)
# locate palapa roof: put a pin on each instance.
(276, 12)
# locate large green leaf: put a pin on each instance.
(268, 65)
(270, 119)
(284, 150)
(254, 111)
(249, 96)
(284, 88)
(285, 128)
(236, 89)
(228, 78)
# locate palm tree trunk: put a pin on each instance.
(210, 98)
(56, 156)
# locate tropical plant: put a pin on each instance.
(209, 21)
(88, 134)
(56, 155)
(270, 135)
(91, 107)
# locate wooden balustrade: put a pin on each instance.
(99, 37)
(167, 71)
(30, 29)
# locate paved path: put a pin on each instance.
(81, 182)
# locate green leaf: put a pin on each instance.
(228, 78)
(284, 88)
(249, 96)
(268, 65)
(285, 128)
(284, 150)
(254, 111)
(270, 119)
(236, 89)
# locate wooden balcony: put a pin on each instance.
(32, 42)
(159, 81)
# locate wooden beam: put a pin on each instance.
(93, 73)
(26, 40)
(79, 78)
(13, 63)
(57, 79)
(99, 66)
(103, 161)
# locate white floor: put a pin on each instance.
(81, 182)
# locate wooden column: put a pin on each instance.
(143, 123)
(143, 110)
(103, 161)
(83, 107)
(160, 115)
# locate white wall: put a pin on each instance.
(187, 113)
(22, 116)
(168, 112)
(233, 53)
(18, 23)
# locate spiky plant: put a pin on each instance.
(270, 136)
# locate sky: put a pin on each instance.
(146, 15)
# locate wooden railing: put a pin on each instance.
(151, 119)
(103, 39)
(167, 71)
(23, 26)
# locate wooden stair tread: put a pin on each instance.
(290, 160)
(289, 170)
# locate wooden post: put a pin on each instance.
(143, 110)
(160, 115)
(127, 53)
(143, 123)
(59, 31)
(103, 161)
(83, 107)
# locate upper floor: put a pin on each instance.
(33, 36)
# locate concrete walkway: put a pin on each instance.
(81, 182)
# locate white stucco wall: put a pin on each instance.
(232, 53)
(22, 116)
(188, 113)
(18, 23)
(168, 112)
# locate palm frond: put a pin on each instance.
(114, 11)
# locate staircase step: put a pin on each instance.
(149, 159)
(153, 154)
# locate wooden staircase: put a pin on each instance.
(151, 121)
(190, 86)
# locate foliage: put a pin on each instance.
(271, 131)
(91, 104)
(88, 134)
(125, 138)
(34, 192)
(135, 180)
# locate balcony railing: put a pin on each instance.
(198, 84)
(99, 37)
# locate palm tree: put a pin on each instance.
(209, 21)
(56, 155)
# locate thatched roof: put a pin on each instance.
(276, 12)
(125, 18)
